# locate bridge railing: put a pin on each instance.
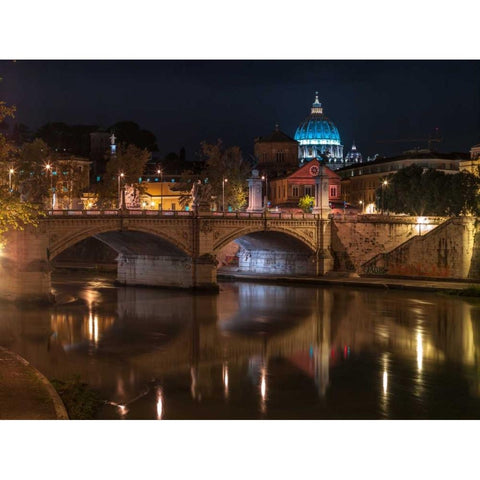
(179, 213)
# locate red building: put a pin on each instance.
(286, 191)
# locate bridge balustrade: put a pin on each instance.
(183, 213)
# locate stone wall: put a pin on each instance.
(355, 240)
(154, 271)
(444, 252)
(275, 262)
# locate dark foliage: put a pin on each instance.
(81, 402)
(431, 192)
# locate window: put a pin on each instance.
(295, 191)
(280, 156)
(333, 191)
(307, 189)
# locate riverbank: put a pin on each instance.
(25, 394)
(424, 285)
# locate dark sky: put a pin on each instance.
(185, 102)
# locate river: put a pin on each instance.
(256, 351)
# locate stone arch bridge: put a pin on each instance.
(177, 249)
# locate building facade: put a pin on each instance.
(276, 154)
(361, 181)
(286, 191)
(318, 136)
(472, 165)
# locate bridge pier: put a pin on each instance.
(167, 271)
(25, 267)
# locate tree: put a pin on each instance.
(129, 161)
(226, 163)
(431, 192)
(306, 203)
(14, 213)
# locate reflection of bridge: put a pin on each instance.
(158, 248)
(199, 334)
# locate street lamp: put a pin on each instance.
(265, 179)
(384, 186)
(48, 168)
(10, 173)
(224, 181)
(159, 172)
(120, 176)
(361, 205)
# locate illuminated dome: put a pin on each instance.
(354, 156)
(318, 135)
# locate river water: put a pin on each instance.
(256, 351)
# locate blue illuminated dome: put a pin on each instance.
(317, 136)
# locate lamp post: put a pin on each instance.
(384, 186)
(361, 205)
(48, 168)
(265, 179)
(11, 171)
(224, 181)
(120, 176)
(159, 172)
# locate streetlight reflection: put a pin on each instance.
(263, 389)
(419, 351)
(160, 407)
(225, 378)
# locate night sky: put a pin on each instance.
(185, 102)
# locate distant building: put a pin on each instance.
(70, 178)
(163, 193)
(277, 153)
(317, 136)
(287, 191)
(472, 165)
(353, 157)
(360, 181)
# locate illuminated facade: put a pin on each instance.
(473, 164)
(317, 135)
(287, 191)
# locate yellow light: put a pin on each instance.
(385, 182)
(11, 170)
(159, 404)
(419, 351)
(385, 382)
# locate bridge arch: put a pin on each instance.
(237, 234)
(59, 243)
(270, 252)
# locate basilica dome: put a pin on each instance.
(317, 135)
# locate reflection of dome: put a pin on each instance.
(353, 156)
(318, 135)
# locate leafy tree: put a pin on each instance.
(221, 163)
(129, 161)
(306, 203)
(32, 179)
(14, 213)
(417, 192)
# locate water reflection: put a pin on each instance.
(257, 351)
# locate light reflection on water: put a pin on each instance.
(257, 351)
